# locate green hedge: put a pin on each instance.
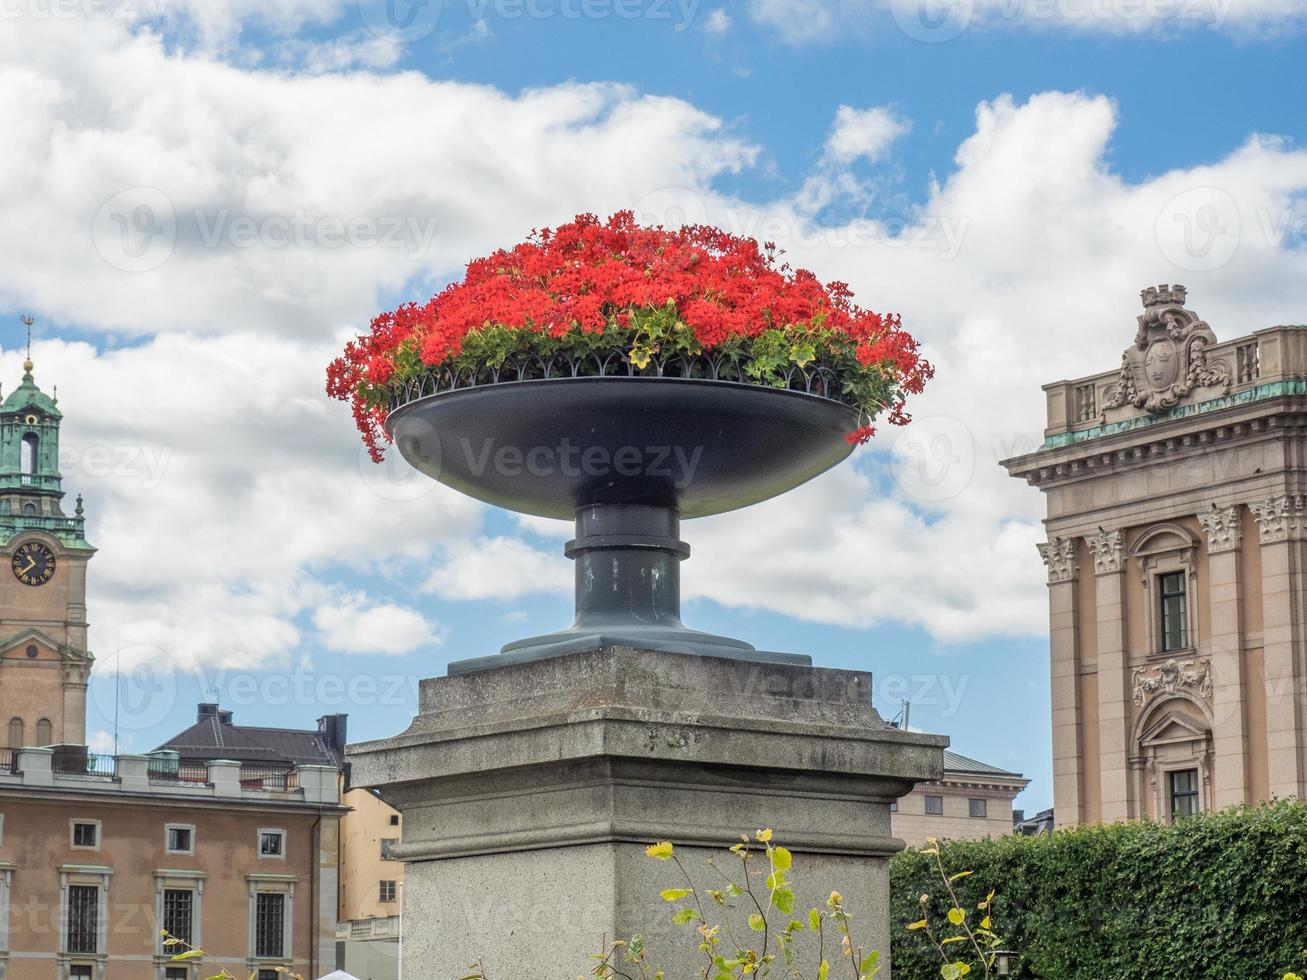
(1220, 895)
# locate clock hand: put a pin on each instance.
(31, 563)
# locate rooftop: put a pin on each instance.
(955, 763)
(215, 736)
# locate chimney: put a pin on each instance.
(332, 728)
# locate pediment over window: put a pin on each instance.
(18, 647)
(1162, 539)
(1173, 725)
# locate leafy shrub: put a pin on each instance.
(1219, 895)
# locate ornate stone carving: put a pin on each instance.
(1107, 549)
(1169, 358)
(1279, 518)
(1060, 557)
(1222, 528)
(1172, 676)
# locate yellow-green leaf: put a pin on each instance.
(674, 894)
(190, 954)
(917, 925)
(757, 923)
(957, 916)
(781, 859)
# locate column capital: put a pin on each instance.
(1222, 527)
(1060, 557)
(1108, 549)
(1279, 518)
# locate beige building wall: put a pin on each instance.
(1186, 464)
(362, 868)
(911, 822)
(131, 864)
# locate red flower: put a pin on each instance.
(588, 276)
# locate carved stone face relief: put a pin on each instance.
(1169, 359)
(1160, 364)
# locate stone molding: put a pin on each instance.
(1223, 529)
(1109, 551)
(1171, 677)
(1059, 556)
(1279, 518)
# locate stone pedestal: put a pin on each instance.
(529, 793)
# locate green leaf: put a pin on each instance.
(960, 875)
(814, 920)
(684, 916)
(957, 916)
(783, 899)
(674, 894)
(823, 970)
(869, 961)
(781, 859)
(757, 923)
(190, 954)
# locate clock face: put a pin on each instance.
(33, 563)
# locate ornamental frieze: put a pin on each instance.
(1221, 525)
(1169, 359)
(1060, 557)
(1171, 677)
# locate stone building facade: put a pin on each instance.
(231, 843)
(971, 801)
(1176, 552)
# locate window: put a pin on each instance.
(387, 843)
(29, 454)
(15, 733)
(83, 918)
(86, 833)
(175, 973)
(29, 510)
(272, 843)
(1086, 403)
(1249, 363)
(976, 808)
(394, 819)
(44, 732)
(1173, 597)
(894, 807)
(269, 975)
(179, 914)
(79, 972)
(935, 805)
(1184, 794)
(32, 652)
(269, 923)
(179, 838)
(387, 891)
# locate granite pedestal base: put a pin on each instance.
(530, 791)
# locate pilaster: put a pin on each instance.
(1280, 525)
(1114, 694)
(1064, 665)
(1222, 528)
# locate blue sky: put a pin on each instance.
(247, 550)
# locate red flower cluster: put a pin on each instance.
(588, 275)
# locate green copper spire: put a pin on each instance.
(31, 485)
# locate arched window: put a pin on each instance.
(29, 510)
(44, 732)
(29, 451)
(16, 733)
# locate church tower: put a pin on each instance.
(44, 660)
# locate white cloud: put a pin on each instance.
(223, 491)
(497, 568)
(808, 21)
(350, 624)
(1022, 267)
(227, 497)
(864, 133)
(718, 22)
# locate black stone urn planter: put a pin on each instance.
(626, 458)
